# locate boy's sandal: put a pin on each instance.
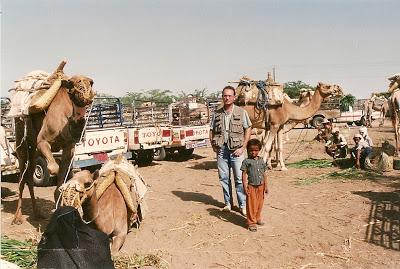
(260, 223)
(253, 228)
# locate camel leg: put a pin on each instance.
(44, 147)
(29, 182)
(279, 150)
(268, 143)
(66, 158)
(18, 212)
(117, 242)
(395, 123)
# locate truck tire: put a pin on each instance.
(358, 123)
(317, 121)
(159, 154)
(185, 152)
(41, 176)
(144, 157)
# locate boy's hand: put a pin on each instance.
(266, 190)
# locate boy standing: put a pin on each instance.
(254, 177)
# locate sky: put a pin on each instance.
(181, 45)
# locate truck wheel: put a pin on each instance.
(185, 152)
(349, 123)
(144, 157)
(41, 176)
(317, 121)
(358, 123)
(159, 154)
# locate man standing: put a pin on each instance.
(229, 134)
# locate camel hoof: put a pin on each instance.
(17, 220)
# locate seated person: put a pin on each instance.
(336, 145)
(324, 133)
(360, 152)
(364, 133)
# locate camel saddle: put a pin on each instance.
(33, 93)
(259, 93)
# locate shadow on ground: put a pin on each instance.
(383, 227)
(232, 216)
(206, 165)
(175, 157)
(9, 205)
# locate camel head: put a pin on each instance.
(80, 89)
(79, 188)
(327, 90)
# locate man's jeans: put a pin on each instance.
(225, 161)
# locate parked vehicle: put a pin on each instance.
(181, 126)
(145, 132)
(355, 114)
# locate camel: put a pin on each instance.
(382, 108)
(279, 114)
(58, 127)
(367, 112)
(109, 199)
(394, 106)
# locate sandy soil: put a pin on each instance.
(326, 224)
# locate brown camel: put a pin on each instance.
(58, 127)
(394, 106)
(106, 199)
(280, 114)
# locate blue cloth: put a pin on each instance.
(225, 161)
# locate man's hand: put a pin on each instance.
(238, 152)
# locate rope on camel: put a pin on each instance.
(294, 149)
(73, 156)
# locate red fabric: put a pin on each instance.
(254, 203)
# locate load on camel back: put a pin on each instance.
(49, 113)
(110, 200)
(270, 109)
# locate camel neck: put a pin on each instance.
(301, 113)
(90, 209)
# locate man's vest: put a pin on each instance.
(236, 131)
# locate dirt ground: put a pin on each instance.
(325, 224)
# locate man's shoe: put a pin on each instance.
(226, 208)
(244, 212)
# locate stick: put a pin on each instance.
(179, 228)
(333, 256)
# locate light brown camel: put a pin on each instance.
(108, 198)
(394, 106)
(278, 115)
(383, 108)
(367, 112)
(58, 127)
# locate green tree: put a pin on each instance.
(346, 102)
(154, 95)
(292, 88)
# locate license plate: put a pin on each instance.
(193, 145)
(101, 157)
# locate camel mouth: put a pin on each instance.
(74, 194)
